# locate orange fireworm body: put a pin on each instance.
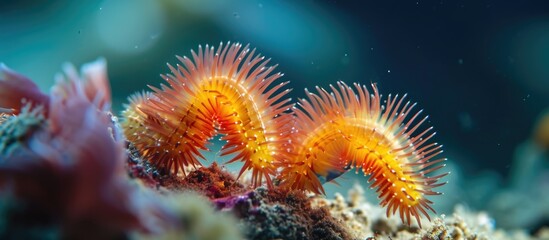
(231, 91)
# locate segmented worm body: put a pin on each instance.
(231, 92)
(345, 129)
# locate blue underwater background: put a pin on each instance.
(478, 68)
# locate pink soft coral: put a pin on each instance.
(70, 164)
(16, 89)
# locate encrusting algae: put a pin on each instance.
(67, 161)
(367, 221)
